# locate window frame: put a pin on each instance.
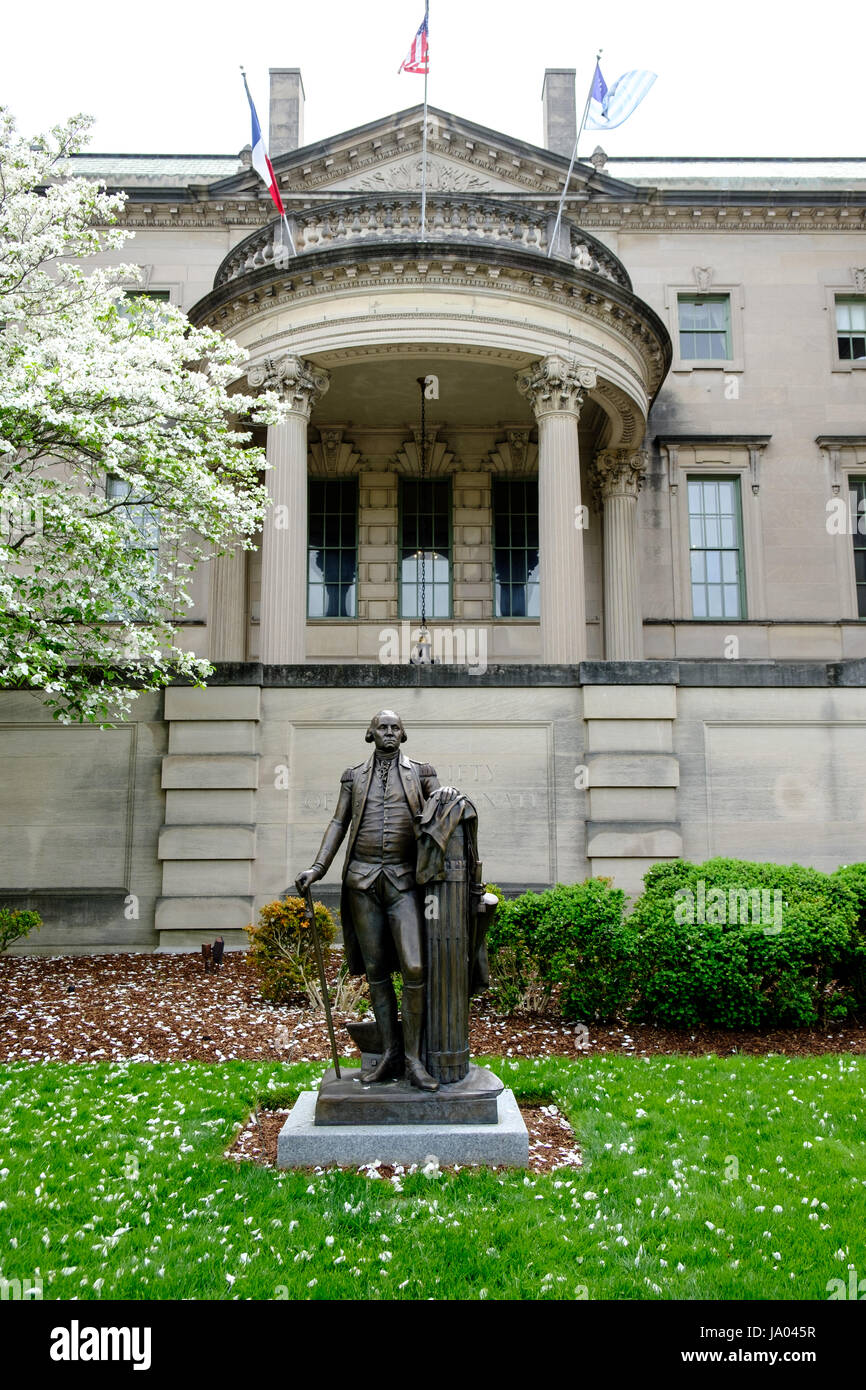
(431, 617)
(855, 477)
(708, 477)
(847, 295)
(129, 502)
(735, 295)
(523, 478)
(845, 458)
(312, 478)
(699, 301)
(696, 456)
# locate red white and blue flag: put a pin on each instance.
(418, 59)
(261, 163)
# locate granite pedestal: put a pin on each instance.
(426, 1131)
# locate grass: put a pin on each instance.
(724, 1178)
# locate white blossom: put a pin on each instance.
(95, 385)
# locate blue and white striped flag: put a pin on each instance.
(610, 106)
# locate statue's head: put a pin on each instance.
(386, 731)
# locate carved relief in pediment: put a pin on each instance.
(404, 176)
(442, 177)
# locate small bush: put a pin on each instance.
(697, 961)
(16, 922)
(281, 946)
(563, 948)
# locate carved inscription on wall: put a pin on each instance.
(503, 770)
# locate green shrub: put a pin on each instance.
(281, 946)
(16, 922)
(853, 877)
(704, 955)
(564, 948)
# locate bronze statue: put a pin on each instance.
(381, 805)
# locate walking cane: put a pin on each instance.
(311, 918)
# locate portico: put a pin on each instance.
(542, 364)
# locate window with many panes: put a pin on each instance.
(857, 513)
(715, 548)
(704, 327)
(332, 551)
(851, 327)
(515, 547)
(144, 530)
(425, 547)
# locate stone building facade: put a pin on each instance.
(638, 497)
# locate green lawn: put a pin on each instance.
(734, 1178)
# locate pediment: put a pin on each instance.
(386, 156)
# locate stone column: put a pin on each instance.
(556, 387)
(227, 615)
(618, 477)
(284, 537)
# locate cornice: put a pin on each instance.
(251, 213)
(523, 276)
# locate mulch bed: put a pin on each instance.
(156, 1008)
(551, 1143)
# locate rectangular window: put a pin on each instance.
(425, 547)
(715, 548)
(332, 556)
(515, 548)
(705, 327)
(851, 327)
(158, 297)
(145, 520)
(857, 513)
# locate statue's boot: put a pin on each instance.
(390, 1064)
(413, 1022)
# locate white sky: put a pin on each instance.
(160, 76)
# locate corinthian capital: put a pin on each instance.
(297, 381)
(556, 385)
(619, 472)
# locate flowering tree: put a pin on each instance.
(119, 468)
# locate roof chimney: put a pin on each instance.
(287, 111)
(560, 113)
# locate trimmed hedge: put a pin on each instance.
(566, 946)
(724, 944)
(853, 876)
(703, 954)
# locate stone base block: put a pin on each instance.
(304, 1144)
(472, 1101)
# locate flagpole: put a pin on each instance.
(424, 133)
(556, 224)
(289, 234)
(285, 220)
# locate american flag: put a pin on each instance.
(418, 59)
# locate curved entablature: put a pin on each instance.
(371, 219)
(385, 295)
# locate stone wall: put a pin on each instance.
(183, 822)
